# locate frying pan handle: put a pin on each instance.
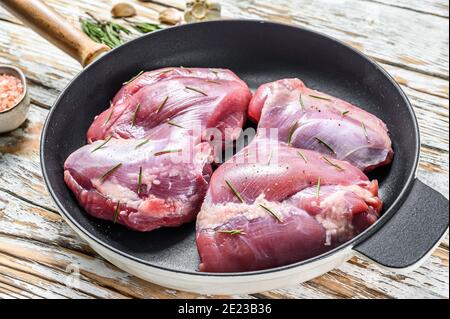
(37, 15)
(412, 233)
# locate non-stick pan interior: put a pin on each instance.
(257, 52)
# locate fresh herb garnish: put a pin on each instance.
(345, 113)
(102, 144)
(291, 132)
(300, 99)
(318, 188)
(270, 158)
(142, 143)
(162, 104)
(232, 231)
(365, 131)
(143, 27)
(319, 97)
(133, 78)
(164, 72)
(167, 152)
(109, 172)
(325, 144)
(333, 164)
(303, 156)
(103, 31)
(212, 81)
(109, 115)
(235, 192)
(214, 71)
(174, 124)
(116, 212)
(138, 107)
(195, 90)
(139, 181)
(271, 212)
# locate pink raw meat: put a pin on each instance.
(172, 188)
(191, 98)
(284, 217)
(313, 120)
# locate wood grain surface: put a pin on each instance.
(40, 255)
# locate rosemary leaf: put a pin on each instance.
(365, 131)
(271, 212)
(333, 164)
(139, 181)
(300, 99)
(325, 144)
(270, 158)
(116, 212)
(174, 124)
(318, 188)
(144, 27)
(196, 90)
(235, 192)
(232, 232)
(138, 107)
(161, 105)
(319, 97)
(109, 172)
(303, 156)
(109, 116)
(212, 81)
(102, 144)
(142, 143)
(291, 132)
(133, 78)
(167, 152)
(345, 113)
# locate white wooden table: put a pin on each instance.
(39, 253)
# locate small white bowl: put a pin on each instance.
(13, 117)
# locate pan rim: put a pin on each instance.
(354, 241)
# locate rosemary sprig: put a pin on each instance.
(109, 172)
(116, 212)
(142, 143)
(303, 156)
(271, 212)
(103, 31)
(333, 164)
(167, 152)
(300, 99)
(143, 27)
(365, 131)
(325, 144)
(319, 97)
(133, 78)
(195, 90)
(102, 144)
(161, 105)
(174, 124)
(234, 191)
(139, 181)
(291, 132)
(345, 113)
(138, 108)
(318, 188)
(109, 115)
(232, 231)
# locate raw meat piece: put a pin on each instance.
(264, 208)
(172, 187)
(313, 120)
(195, 99)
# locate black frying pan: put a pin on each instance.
(415, 217)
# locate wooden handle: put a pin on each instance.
(37, 15)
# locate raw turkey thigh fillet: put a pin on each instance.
(313, 120)
(264, 208)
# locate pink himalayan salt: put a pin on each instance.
(11, 90)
